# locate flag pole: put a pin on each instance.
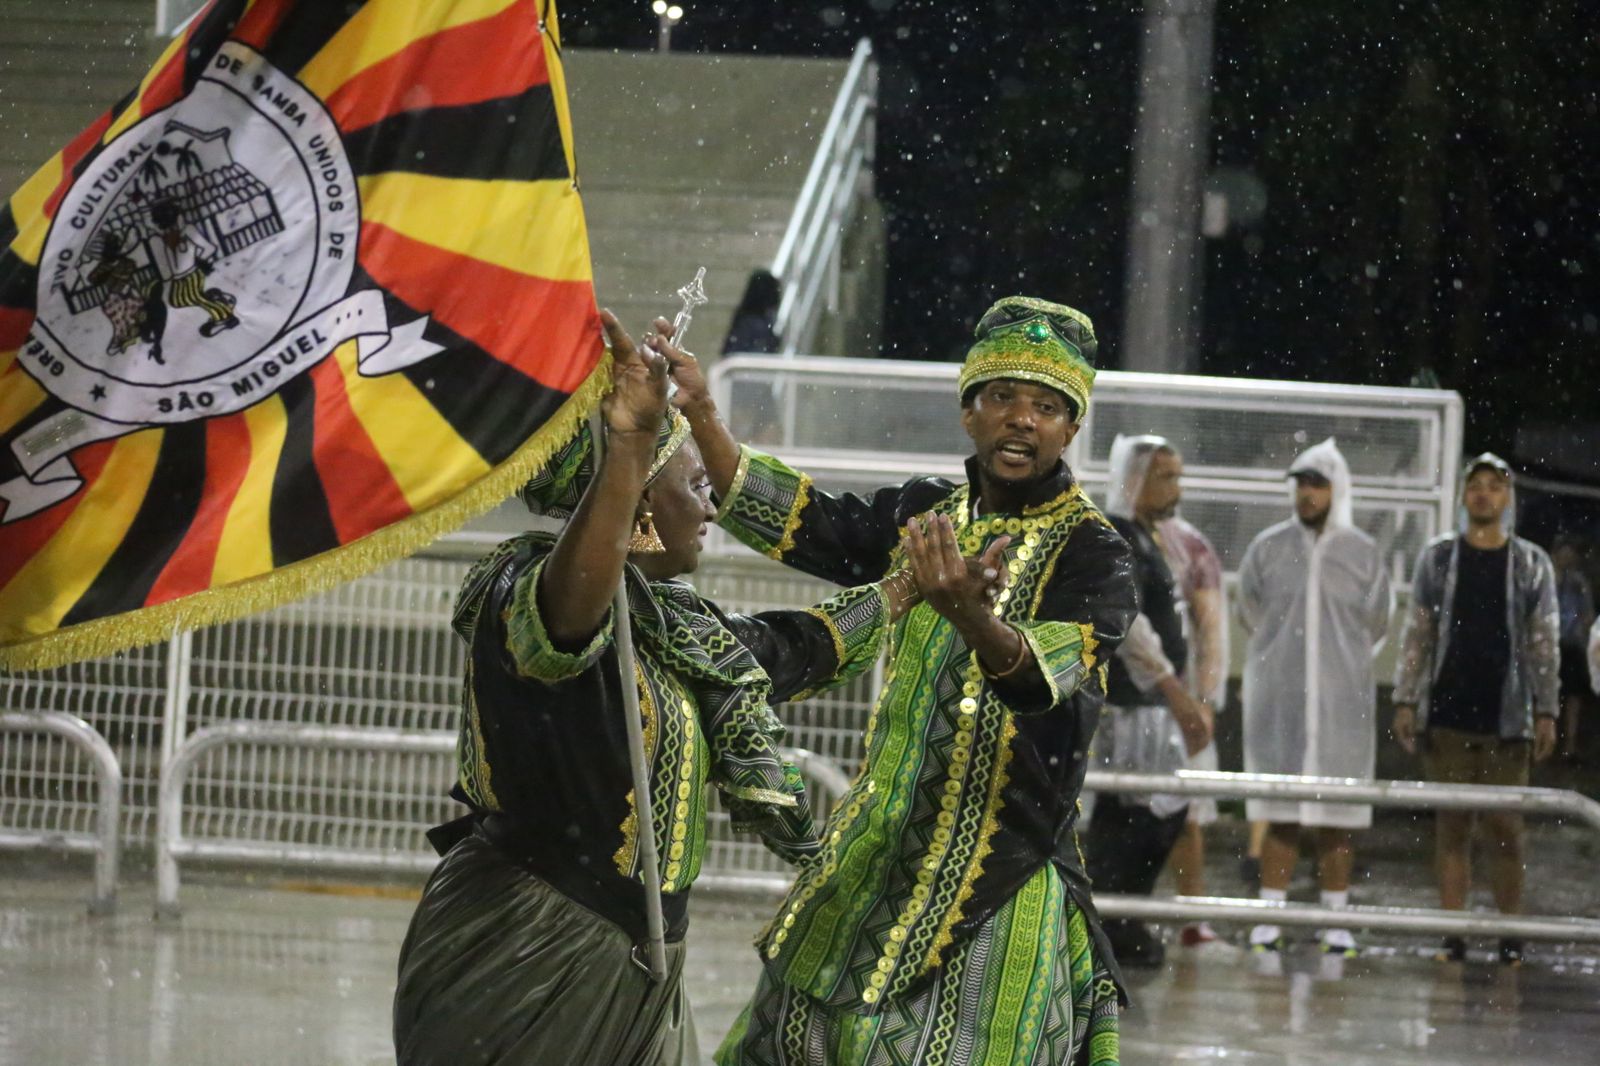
(655, 962)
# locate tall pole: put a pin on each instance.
(1170, 155)
(655, 962)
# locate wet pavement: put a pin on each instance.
(261, 970)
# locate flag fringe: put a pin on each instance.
(149, 625)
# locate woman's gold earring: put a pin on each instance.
(645, 540)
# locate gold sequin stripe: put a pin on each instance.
(679, 831)
(1034, 530)
(791, 524)
(827, 861)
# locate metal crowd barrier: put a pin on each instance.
(1416, 795)
(174, 844)
(108, 798)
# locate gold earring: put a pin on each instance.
(645, 540)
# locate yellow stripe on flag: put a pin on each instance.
(27, 208)
(384, 27)
(532, 227)
(245, 547)
(47, 586)
(428, 459)
(558, 88)
(19, 395)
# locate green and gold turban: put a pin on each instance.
(1034, 340)
(559, 485)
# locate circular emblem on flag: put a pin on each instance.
(203, 258)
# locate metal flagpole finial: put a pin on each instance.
(692, 295)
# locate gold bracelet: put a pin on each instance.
(902, 585)
(1022, 655)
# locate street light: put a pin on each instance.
(667, 16)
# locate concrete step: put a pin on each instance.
(686, 121)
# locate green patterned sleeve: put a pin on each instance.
(528, 643)
(1063, 653)
(763, 507)
(857, 620)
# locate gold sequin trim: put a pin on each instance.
(791, 525)
(736, 486)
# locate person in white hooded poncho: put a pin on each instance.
(1151, 722)
(1314, 597)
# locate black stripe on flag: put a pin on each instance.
(492, 406)
(163, 519)
(306, 30)
(19, 280)
(300, 522)
(206, 36)
(513, 138)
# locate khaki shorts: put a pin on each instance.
(1459, 758)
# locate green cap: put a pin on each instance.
(1034, 340)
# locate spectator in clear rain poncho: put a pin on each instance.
(1478, 678)
(1151, 723)
(1314, 597)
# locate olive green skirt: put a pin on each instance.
(500, 968)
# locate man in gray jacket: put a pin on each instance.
(1477, 680)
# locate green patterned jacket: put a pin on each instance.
(969, 786)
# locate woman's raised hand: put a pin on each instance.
(637, 401)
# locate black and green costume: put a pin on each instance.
(521, 948)
(947, 920)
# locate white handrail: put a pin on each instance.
(108, 814)
(172, 846)
(1416, 795)
(825, 199)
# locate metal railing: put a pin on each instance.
(108, 797)
(808, 259)
(174, 844)
(1414, 795)
(862, 423)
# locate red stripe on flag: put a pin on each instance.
(21, 540)
(260, 23)
(483, 60)
(227, 462)
(14, 325)
(71, 156)
(361, 491)
(548, 330)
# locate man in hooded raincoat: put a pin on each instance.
(1478, 676)
(1314, 597)
(1151, 723)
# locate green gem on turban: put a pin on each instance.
(1034, 340)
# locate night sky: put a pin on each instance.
(1427, 178)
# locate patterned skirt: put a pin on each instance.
(1025, 990)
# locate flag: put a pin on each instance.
(315, 293)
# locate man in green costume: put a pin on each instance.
(947, 920)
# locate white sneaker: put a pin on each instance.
(1266, 938)
(1338, 942)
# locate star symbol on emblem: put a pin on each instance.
(98, 392)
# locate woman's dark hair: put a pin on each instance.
(762, 294)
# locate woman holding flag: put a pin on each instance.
(524, 946)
